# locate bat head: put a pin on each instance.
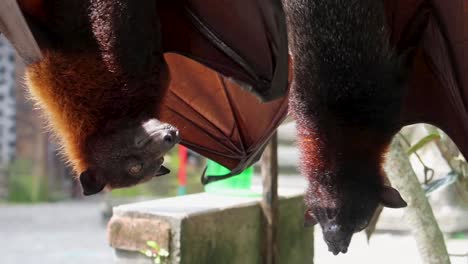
(125, 155)
(343, 165)
(348, 211)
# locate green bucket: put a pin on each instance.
(236, 185)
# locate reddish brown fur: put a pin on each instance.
(319, 154)
(62, 84)
(346, 98)
(73, 123)
(78, 91)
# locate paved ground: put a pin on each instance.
(58, 233)
(73, 232)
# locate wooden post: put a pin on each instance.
(270, 202)
(40, 165)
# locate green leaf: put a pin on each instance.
(163, 253)
(424, 141)
(152, 244)
(157, 260)
(148, 253)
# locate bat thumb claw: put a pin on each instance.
(209, 179)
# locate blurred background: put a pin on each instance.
(44, 217)
(42, 210)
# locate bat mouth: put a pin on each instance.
(337, 249)
(338, 246)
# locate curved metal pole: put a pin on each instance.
(15, 28)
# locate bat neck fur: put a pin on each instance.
(347, 89)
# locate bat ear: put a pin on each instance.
(391, 198)
(90, 183)
(162, 171)
(309, 219)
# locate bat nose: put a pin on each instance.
(171, 137)
(337, 238)
(168, 138)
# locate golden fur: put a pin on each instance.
(61, 85)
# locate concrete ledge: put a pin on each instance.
(209, 228)
(131, 234)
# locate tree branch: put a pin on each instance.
(418, 214)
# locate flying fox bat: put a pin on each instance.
(362, 70)
(118, 96)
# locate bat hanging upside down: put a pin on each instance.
(103, 76)
(360, 74)
(363, 69)
(99, 82)
(346, 99)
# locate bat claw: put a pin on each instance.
(209, 179)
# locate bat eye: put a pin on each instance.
(135, 169)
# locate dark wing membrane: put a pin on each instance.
(216, 117)
(242, 39)
(438, 88)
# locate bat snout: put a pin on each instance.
(171, 137)
(160, 135)
(337, 238)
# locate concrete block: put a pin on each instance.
(228, 236)
(295, 241)
(209, 228)
(127, 233)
